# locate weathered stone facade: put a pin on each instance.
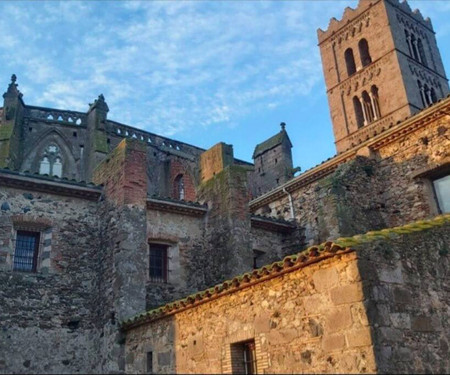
(159, 220)
(336, 311)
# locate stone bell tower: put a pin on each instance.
(381, 64)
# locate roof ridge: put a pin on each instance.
(290, 263)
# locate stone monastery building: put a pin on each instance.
(122, 251)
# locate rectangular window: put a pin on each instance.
(158, 263)
(442, 191)
(149, 362)
(243, 357)
(26, 251)
(258, 258)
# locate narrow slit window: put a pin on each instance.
(149, 362)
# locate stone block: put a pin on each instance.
(339, 319)
(262, 323)
(283, 336)
(325, 279)
(333, 342)
(388, 334)
(389, 275)
(425, 324)
(401, 320)
(313, 304)
(360, 337)
(347, 294)
(164, 359)
(402, 295)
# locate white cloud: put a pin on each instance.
(166, 66)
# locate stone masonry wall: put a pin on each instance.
(407, 286)
(301, 322)
(382, 307)
(388, 187)
(48, 319)
(403, 166)
(186, 264)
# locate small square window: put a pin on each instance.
(26, 251)
(243, 357)
(158, 263)
(442, 191)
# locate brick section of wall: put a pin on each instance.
(123, 173)
(215, 160)
(176, 169)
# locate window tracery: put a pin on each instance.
(51, 162)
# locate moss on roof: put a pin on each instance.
(270, 143)
(290, 263)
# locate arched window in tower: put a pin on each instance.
(415, 48)
(358, 112)
(364, 53)
(428, 98)
(433, 95)
(369, 114)
(178, 187)
(409, 41)
(423, 58)
(350, 61)
(375, 102)
(422, 93)
(51, 162)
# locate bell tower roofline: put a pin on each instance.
(351, 14)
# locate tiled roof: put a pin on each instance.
(290, 263)
(271, 143)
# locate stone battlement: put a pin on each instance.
(351, 15)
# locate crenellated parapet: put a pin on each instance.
(353, 20)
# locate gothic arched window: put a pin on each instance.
(364, 53)
(178, 187)
(350, 61)
(358, 112)
(51, 162)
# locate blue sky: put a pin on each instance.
(197, 71)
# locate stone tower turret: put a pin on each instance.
(273, 162)
(381, 64)
(11, 128)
